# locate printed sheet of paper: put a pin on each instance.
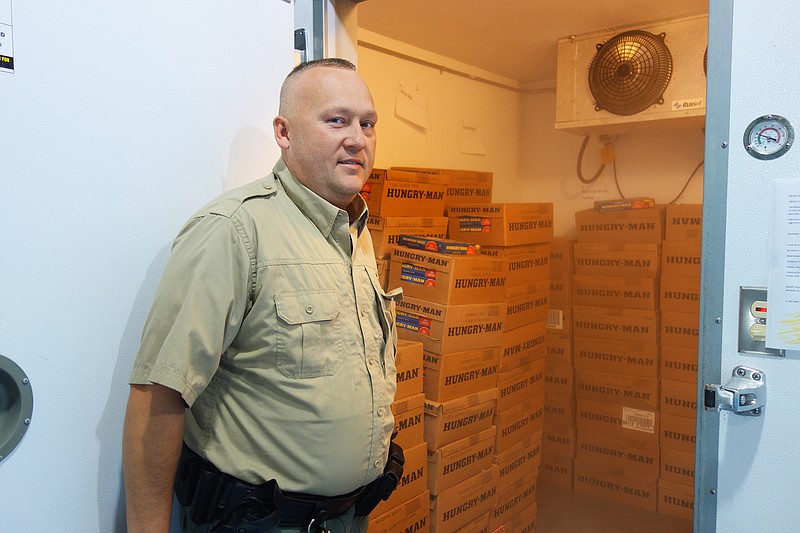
(410, 104)
(472, 138)
(783, 318)
(6, 37)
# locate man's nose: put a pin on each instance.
(355, 136)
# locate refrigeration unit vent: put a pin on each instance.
(651, 75)
(630, 72)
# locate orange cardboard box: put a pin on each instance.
(675, 499)
(514, 499)
(561, 287)
(558, 440)
(526, 304)
(632, 391)
(414, 481)
(680, 329)
(515, 424)
(625, 454)
(522, 345)
(632, 325)
(519, 384)
(680, 294)
(385, 231)
(631, 226)
(562, 258)
(681, 258)
(559, 348)
(617, 259)
(559, 318)
(394, 193)
(684, 222)
(557, 471)
(677, 467)
(450, 328)
(447, 279)
(449, 421)
(521, 459)
(524, 264)
(408, 420)
(621, 357)
(463, 186)
(615, 291)
(559, 409)
(408, 361)
(678, 433)
(679, 363)
(632, 488)
(616, 420)
(459, 505)
(412, 515)
(458, 374)
(679, 398)
(455, 462)
(559, 379)
(508, 224)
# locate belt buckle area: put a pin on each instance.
(314, 528)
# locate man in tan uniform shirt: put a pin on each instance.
(269, 349)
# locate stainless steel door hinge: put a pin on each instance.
(745, 393)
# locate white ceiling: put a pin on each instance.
(514, 38)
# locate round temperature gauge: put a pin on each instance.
(768, 137)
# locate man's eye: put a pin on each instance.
(367, 124)
(336, 120)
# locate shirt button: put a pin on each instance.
(377, 463)
(363, 312)
(309, 309)
(380, 411)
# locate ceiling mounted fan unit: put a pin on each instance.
(633, 78)
(630, 72)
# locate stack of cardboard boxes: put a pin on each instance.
(680, 304)
(558, 436)
(616, 327)
(478, 312)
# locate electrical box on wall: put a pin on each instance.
(650, 75)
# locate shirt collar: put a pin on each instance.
(319, 211)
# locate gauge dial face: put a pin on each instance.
(768, 137)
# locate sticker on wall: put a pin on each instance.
(472, 138)
(6, 38)
(410, 104)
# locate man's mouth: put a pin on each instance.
(350, 162)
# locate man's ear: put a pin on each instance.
(281, 129)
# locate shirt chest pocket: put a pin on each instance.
(308, 338)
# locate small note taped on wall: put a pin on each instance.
(410, 104)
(472, 138)
(6, 37)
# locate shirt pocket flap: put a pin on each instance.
(308, 306)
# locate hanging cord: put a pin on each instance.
(685, 185)
(580, 164)
(700, 164)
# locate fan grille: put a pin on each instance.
(630, 72)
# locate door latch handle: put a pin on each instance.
(745, 394)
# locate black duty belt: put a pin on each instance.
(229, 504)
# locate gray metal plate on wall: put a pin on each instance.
(16, 405)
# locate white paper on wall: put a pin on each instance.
(472, 138)
(783, 294)
(411, 104)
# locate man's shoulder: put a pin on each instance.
(230, 202)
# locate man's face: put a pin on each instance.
(328, 134)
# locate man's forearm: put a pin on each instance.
(151, 449)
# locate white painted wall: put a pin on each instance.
(120, 121)
(759, 464)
